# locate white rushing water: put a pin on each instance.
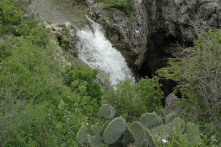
(97, 52)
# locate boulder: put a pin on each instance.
(170, 104)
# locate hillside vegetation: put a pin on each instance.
(44, 102)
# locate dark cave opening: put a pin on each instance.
(144, 71)
(159, 50)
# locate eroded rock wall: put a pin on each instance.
(157, 31)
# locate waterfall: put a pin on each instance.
(94, 49)
(97, 52)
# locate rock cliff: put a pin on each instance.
(156, 31)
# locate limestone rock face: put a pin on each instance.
(65, 29)
(157, 31)
(128, 36)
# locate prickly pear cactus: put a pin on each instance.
(178, 122)
(82, 135)
(114, 130)
(160, 132)
(145, 143)
(128, 136)
(150, 120)
(149, 137)
(107, 111)
(192, 132)
(170, 117)
(139, 133)
(104, 127)
(95, 141)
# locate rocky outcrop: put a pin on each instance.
(62, 31)
(128, 36)
(158, 30)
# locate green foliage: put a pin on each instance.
(131, 100)
(149, 2)
(126, 5)
(5, 52)
(10, 14)
(148, 92)
(199, 77)
(76, 77)
(34, 31)
(29, 66)
(64, 41)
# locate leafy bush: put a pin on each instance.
(29, 67)
(200, 77)
(81, 77)
(10, 13)
(149, 92)
(132, 100)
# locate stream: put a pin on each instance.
(94, 48)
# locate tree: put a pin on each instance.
(200, 77)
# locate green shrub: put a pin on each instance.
(149, 93)
(82, 80)
(10, 13)
(38, 125)
(132, 100)
(29, 67)
(34, 32)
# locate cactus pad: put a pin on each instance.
(160, 132)
(150, 120)
(82, 135)
(192, 132)
(139, 133)
(128, 136)
(107, 111)
(176, 122)
(169, 128)
(95, 141)
(114, 130)
(104, 127)
(170, 117)
(149, 138)
(145, 143)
